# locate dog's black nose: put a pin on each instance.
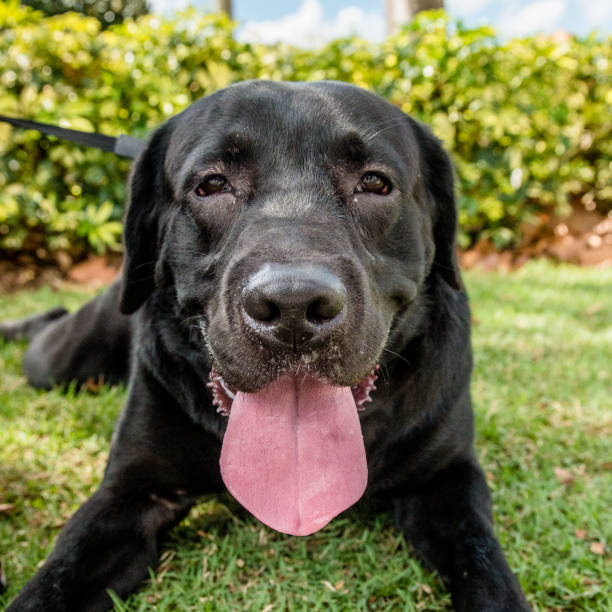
(293, 303)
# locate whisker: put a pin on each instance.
(390, 124)
(384, 373)
(397, 355)
(192, 318)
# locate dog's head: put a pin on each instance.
(293, 223)
(297, 227)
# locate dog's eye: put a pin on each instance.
(372, 182)
(212, 184)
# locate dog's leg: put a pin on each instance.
(92, 343)
(109, 543)
(449, 523)
(27, 328)
(160, 463)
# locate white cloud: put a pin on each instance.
(309, 27)
(542, 16)
(466, 7)
(163, 7)
(598, 13)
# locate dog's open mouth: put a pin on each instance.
(293, 452)
(223, 394)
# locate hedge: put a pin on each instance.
(527, 121)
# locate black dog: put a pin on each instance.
(283, 241)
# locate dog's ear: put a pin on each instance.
(439, 181)
(141, 223)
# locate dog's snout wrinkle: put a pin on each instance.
(293, 303)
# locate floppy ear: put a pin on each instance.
(141, 224)
(439, 180)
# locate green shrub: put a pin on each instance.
(107, 12)
(527, 121)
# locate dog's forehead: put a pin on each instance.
(315, 115)
(254, 103)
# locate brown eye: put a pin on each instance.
(211, 185)
(374, 183)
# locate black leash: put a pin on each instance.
(124, 146)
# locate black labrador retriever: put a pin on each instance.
(286, 244)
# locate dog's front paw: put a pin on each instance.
(489, 593)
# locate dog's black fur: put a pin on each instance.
(323, 177)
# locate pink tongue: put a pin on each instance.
(293, 454)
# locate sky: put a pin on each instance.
(313, 22)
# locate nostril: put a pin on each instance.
(324, 309)
(261, 309)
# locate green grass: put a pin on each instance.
(543, 395)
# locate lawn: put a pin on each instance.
(542, 390)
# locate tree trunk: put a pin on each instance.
(400, 12)
(415, 6)
(225, 6)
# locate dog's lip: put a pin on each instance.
(224, 394)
